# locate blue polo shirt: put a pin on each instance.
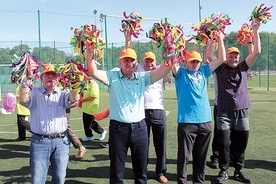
(192, 96)
(126, 96)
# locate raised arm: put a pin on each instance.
(159, 73)
(128, 41)
(210, 50)
(221, 53)
(251, 58)
(99, 75)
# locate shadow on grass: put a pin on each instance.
(261, 164)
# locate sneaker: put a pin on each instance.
(105, 145)
(102, 135)
(223, 175)
(214, 163)
(162, 179)
(88, 138)
(241, 176)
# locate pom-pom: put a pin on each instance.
(87, 37)
(171, 40)
(245, 34)
(132, 23)
(209, 27)
(262, 13)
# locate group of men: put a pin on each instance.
(136, 104)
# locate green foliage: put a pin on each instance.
(57, 56)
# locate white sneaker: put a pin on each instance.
(88, 138)
(102, 135)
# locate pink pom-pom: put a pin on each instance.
(9, 102)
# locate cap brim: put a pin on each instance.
(191, 59)
(122, 57)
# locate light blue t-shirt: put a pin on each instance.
(127, 96)
(192, 97)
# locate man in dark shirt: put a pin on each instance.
(232, 108)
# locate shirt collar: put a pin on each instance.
(135, 75)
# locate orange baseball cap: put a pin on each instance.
(130, 53)
(149, 55)
(232, 49)
(48, 68)
(193, 55)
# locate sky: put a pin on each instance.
(19, 19)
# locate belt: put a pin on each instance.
(53, 136)
(126, 124)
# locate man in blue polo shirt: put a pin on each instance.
(127, 128)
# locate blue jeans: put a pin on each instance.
(44, 151)
(121, 137)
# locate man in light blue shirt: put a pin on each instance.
(49, 142)
(127, 128)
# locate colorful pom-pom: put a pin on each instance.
(132, 23)
(245, 34)
(261, 12)
(171, 40)
(209, 27)
(25, 69)
(88, 37)
(72, 75)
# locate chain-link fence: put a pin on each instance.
(32, 25)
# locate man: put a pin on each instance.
(49, 143)
(127, 128)
(194, 113)
(232, 108)
(215, 150)
(155, 117)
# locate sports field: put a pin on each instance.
(94, 166)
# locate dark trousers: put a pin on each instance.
(22, 126)
(193, 138)
(156, 121)
(90, 124)
(121, 137)
(71, 134)
(233, 134)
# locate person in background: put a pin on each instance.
(127, 127)
(22, 114)
(194, 118)
(49, 143)
(232, 108)
(73, 137)
(90, 104)
(155, 117)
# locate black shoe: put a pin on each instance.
(241, 176)
(214, 163)
(105, 145)
(20, 139)
(223, 175)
